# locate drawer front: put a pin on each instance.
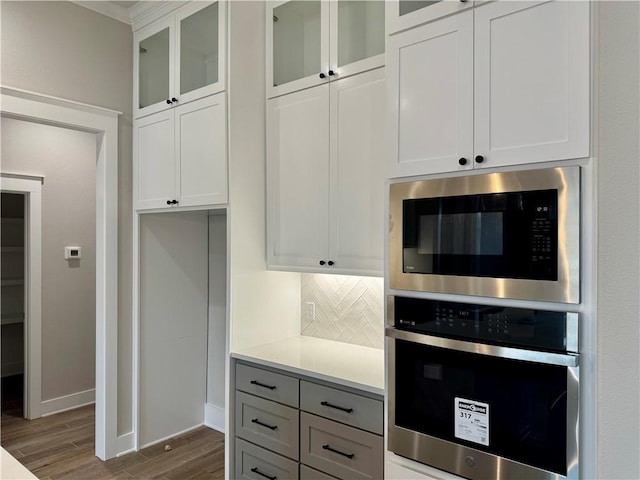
(349, 408)
(339, 450)
(269, 385)
(307, 473)
(268, 424)
(259, 464)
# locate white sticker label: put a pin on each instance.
(472, 421)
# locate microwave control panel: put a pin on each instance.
(508, 326)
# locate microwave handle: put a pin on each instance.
(550, 358)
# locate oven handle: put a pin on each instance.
(564, 360)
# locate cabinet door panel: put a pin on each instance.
(404, 14)
(200, 49)
(531, 83)
(298, 178)
(358, 146)
(297, 45)
(201, 151)
(153, 141)
(430, 87)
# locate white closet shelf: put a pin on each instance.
(10, 282)
(11, 318)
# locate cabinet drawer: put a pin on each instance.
(307, 473)
(269, 385)
(340, 450)
(258, 464)
(267, 423)
(349, 408)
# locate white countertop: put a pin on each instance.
(337, 362)
(12, 469)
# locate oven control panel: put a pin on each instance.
(519, 327)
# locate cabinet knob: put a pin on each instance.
(330, 262)
(463, 1)
(168, 202)
(479, 159)
(174, 202)
(322, 262)
(322, 75)
(331, 73)
(462, 161)
(174, 100)
(168, 102)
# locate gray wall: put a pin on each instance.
(618, 310)
(67, 160)
(61, 49)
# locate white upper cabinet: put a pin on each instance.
(180, 58)
(180, 156)
(504, 83)
(325, 190)
(313, 42)
(404, 14)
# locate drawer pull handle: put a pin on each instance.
(255, 470)
(255, 382)
(348, 455)
(271, 427)
(327, 404)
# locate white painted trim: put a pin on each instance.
(214, 417)
(126, 443)
(32, 188)
(45, 109)
(68, 402)
(145, 13)
(173, 435)
(20, 176)
(108, 9)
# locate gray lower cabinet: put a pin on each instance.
(280, 420)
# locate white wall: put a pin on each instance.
(217, 335)
(67, 160)
(265, 305)
(61, 49)
(618, 302)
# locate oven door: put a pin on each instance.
(507, 235)
(483, 411)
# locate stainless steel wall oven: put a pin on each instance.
(506, 235)
(483, 391)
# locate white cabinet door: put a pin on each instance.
(201, 151)
(404, 14)
(298, 178)
(358, 146)
(531, 82)
(153, 142)
(430, 86)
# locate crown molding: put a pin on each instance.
(106, 8)
(145, 12)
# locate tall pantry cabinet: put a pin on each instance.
(180, 199)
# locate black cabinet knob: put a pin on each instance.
(463, 1)
(462, 161)
(174, 100)
(322, 75)
(168, 202)
(168, 102)
(331, 262)
(174, 202)
(322, 262)
(479, 159)
(331, 73)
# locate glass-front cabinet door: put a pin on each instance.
(404, 14)
(297, 45)
(153, 63)
(311, 42)
(180, 58)
(200, 47)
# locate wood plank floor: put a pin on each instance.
(62, 446)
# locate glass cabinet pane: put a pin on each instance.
(199, 49)
(153, 69)
(408, 6)
(296, 41)
(360, 30)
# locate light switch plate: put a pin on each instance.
(72, 253)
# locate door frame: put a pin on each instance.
(44, 109)
(30, 187)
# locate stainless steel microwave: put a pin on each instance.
(504, 235)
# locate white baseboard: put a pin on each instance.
(214, 417)
(125, 444)
(68, 402)
(160, 440)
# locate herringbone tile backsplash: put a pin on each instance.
(348, 309)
